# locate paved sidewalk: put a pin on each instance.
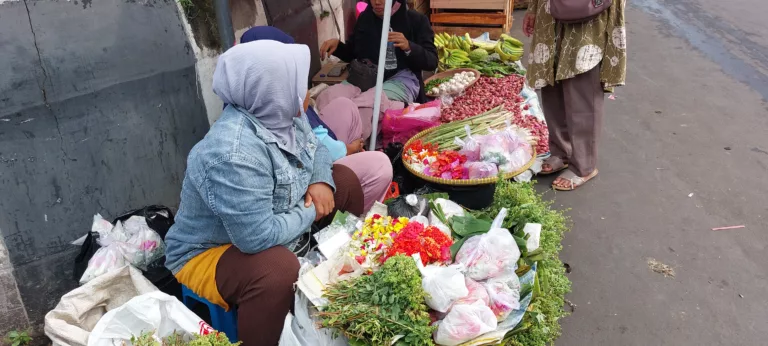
(684, 149)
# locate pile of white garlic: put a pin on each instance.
(456, 84)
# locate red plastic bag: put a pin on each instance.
(398, 126)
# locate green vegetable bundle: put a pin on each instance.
(374, 309)
(445, 134)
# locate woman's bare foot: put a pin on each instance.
(568, 181)
(553, 164)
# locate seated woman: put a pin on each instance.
(257, 181)
(339, 128)
(413, 40)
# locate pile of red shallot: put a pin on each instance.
(488, 93)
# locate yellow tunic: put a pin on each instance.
(199, 275)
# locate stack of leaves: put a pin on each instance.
(374, 309)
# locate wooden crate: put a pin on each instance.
(472, 16)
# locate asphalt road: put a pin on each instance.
(684, 149)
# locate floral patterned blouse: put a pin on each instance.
(583, 46)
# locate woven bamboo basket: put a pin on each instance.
(461, 182)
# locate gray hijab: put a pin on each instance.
(269, 80)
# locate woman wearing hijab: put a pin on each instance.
(257, 181)
(338, 127)
(412, 39)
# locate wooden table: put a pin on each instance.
(322, 75)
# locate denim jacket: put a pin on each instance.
(242, 187)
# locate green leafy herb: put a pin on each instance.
(18, 338)
(180, 339)
(373, 309)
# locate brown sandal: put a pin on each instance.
(556, 163)
(575, 180)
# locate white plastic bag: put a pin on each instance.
(450, 209)
(533, 230)
(303, 330)
(504, 294)
(443, 284)
(488, 255)
(154, 311)
(464, 323)
(344, 267)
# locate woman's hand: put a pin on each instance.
(322, 196)
(399, 40)
(328, 47)
(355, 147)
(529, 23)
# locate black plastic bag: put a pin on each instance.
(159, 218)
(87, 250)
(408, 206)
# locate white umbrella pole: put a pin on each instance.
(380, 73)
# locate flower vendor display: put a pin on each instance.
(376, 235)
(499, 298)
(482, 155)
(431, 243)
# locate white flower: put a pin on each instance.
(620, 37)
(541, 53)
(540, 83)
(588, 57)
(614, 61)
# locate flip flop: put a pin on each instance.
(556, 163)
(575, 180)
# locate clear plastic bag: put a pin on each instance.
(444, 285)
(400, 125)
(132, 243)
(464, 323)
(143, 245)
(469, 146)
(504, 294)
(344, 268)
(519, 150)
(106, 259)
(487, 255)
(494, 148)
(477, 293)
(480, 170)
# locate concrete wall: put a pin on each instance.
(99, 107)
(100, 102)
